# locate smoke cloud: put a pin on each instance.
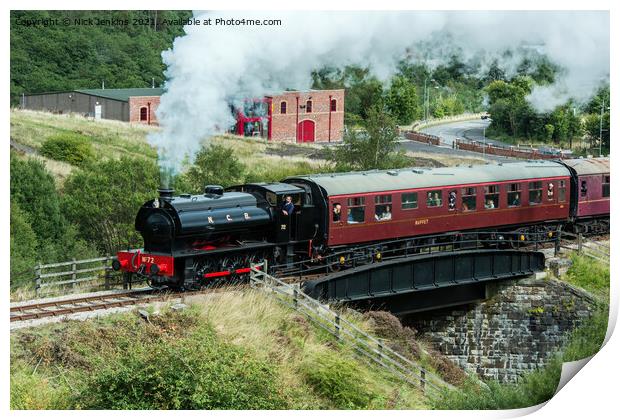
(211, 67)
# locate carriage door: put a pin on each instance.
(305, 131)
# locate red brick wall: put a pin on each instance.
(137, 102)
(283, 126)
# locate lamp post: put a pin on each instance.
(484, 142)
(600, 131)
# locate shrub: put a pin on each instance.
(215, 164)
(338, 380)
(69, 147)
(24, 247)
(32, 391)
(194, 372)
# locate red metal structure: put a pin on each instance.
(255, 118)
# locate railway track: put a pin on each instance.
(37, 310)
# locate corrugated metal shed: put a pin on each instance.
(590, 166)
(122, 94)
(377, 181)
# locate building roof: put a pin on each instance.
(122, 94)
(590, 166)
(409, 178)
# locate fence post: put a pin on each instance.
(423, 380)
(337, 326)
(73, 274)
(558, 238)
(107, 273)
(579, 242)
(37, 279)
(295, 296)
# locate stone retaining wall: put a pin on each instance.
(518, 329)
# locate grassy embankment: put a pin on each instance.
(113, 139)
(539, 386)
(229, 350)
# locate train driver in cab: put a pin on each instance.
(288, 207)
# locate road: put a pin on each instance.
(471, 130)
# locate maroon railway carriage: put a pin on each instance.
(379, 205)
(591, 187)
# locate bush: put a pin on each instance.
(68, 147)
(338, 380)
(102, 200)
(214, 164)
(32, 391)
(24, 247)
(197, 371)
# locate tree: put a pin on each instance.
(370, 148)
(102, 200)
(34, 192)
(214, 164)
(402, 100)
(24, 247)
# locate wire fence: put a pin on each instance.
(370, 348)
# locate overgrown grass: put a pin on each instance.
(234, 349)
(589, 274)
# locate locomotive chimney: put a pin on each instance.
(165, 194)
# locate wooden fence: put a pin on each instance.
(93, 273)
(368, 347)
(512, 151)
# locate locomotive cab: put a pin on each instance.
(287, 227)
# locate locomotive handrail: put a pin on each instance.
(342, 329)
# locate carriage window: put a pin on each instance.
(562, 191)
(336, 212)
(409, 201)
(283, 107)
(514, 195)
(491, 197)
(355, 211)
(433, 198)
(469, 198)
(584, 188)
(606, 179)
(452, 200)
(550, 191)
(383, 208)
(535, 192)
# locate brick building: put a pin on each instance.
(316, 115)
(132, 105)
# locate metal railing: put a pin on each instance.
(369, 348)
(365, 254)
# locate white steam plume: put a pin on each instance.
(213, 66)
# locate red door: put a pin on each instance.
(305, 131)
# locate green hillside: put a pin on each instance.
(58, 57)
